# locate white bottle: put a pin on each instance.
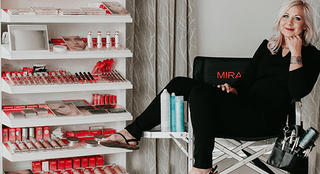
(99, 40)
(108, 40)
(117, 39)
(89, 40)
(165, 111)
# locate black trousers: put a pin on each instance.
(214, 113)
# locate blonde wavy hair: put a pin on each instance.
(309, 36)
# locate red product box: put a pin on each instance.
(8, 107)
(33, 106)
(95, 132)
(114, 99)
(70, 134)
(108, 131)
(20, 107)
(36, 166)
(39, 133)
(92, 161)
(99, 160)
(18, 133)
(46, 132)
(106, 99)
(76, 162)
(42, 105)
(12, 134)
(61, 164)
(69, 163)
(84, 162)
(53, 165)
(81, 133)
(5, 135)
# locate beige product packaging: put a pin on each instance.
(22, 146)
(45, 144)
(37, 144)
(53, 143)
(29, 145)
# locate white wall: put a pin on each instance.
(229, 28)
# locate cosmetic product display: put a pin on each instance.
(60, 142)
(53, 143)
(45, 10)
(108, 40)
(89, 40)
(93, 11)
(59, 48)
(117, 39)
(99, 40)
(91, 143)
(29, 145)
(72, 141)
(63, 12)
(45, 144)
(99, 137)
(37, 144)
(14, 147)
(20, 11)
(21, 146)
(24, 133)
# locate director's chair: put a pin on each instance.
(219, 70)
(226, 70)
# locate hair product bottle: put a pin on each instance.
(165, 111)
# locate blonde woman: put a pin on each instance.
(257, 104)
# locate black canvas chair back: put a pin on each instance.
(219, 70)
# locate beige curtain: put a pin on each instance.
(162, 38)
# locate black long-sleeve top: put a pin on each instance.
(269, 83)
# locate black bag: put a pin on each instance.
(284, 156)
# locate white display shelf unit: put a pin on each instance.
(60, 25)
(27, 55)
(63, 87)
(61, 153)
(64, 19)
(65, 120)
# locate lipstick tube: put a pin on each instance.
(34, 81)
(39, 79)
(83, 78)
(108, 40)
(20, 79)
(48, 78)
(92, 78)
(10, 79)
(43, 78)
(61, 78)
(56, 78)
(87, 77)
(25, 76)
(119, 75)
(15, 79)
(70, 81)
(78, 77)
(74, 77)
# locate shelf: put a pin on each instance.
(63, 88)
(64, 19)
(27, 55)
(53, 121)
(148, 134)
(62, 153)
